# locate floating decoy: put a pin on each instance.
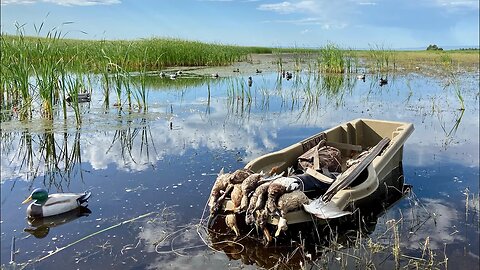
(361, 77)
(258, 71)
(178, 73)
(383, 81)
(173, 76)
(236, 70)
(250, 81)
(215, 75)
(81, 97)
(45, 205)
(289, 75)
(162, 74)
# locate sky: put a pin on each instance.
(358, 24)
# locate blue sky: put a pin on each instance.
(273, 23)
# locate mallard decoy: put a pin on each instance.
(215, 75)
(46, 205)
(162, 74)
(81, 97)
(361, 77)
(173, 76)
(383, 81)
(178, 73)
(258, 71)
(250, 82)
(289, 75)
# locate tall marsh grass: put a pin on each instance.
(333, 59)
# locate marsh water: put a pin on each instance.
(150, 172)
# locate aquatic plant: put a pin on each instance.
(333, 59)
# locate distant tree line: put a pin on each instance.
(434, 47)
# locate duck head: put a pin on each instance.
(38, 195)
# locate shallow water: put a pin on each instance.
(163, 163)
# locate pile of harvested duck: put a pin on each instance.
(259, 197)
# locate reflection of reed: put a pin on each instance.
(126, 138)
(450, 133)
(46, 154)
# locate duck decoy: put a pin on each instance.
(383, 81)
(250, 82)
(173, 76)
(289, 75)
(162, 74)
(178, 73)
(45, 205)
(236, 70)
(361, 77)
(215, 75)
(81, 97)
(258, 71)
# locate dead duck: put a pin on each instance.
(257, 201)
(236, 196)
(261, 223)
(231, 222)
(289, 202)
(45, 205)
(248, 186)
(278, 187)
(218, 188)
(238, 176)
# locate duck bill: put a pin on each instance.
(27, 200)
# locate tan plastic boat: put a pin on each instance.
(354, 136)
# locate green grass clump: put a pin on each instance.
(333, 59)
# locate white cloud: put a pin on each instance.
(367, 3)
(290, 7)
(457, 3)
(64, 2)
